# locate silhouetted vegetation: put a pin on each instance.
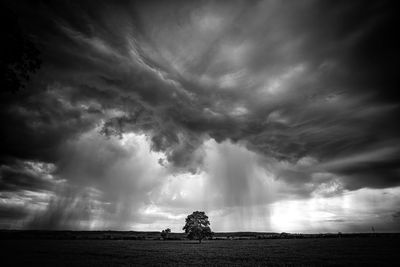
(136, 235)
(20, 57)
(197, 226)
(165, 233)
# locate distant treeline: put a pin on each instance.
(134, 235)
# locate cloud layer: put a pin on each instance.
(253, 102)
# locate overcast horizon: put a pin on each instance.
(270, 116)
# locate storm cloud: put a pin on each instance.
(251, 102)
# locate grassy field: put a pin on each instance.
(354, 251)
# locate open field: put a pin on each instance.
(350, 251)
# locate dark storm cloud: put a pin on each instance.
(396, 215)
(12, 213)
(14, 178)
(36, 123)
(308, 85)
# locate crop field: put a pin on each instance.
(350, 251)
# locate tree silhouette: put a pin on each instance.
(197, 226)
(19, 55)
(165, 233)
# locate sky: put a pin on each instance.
(270, 116)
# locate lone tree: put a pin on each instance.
(165, 233)
(197, 226)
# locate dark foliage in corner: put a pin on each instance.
(20, 57)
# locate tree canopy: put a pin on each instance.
(197, 226)
(19, 54)
(165, 233)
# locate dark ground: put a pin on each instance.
(350, 251)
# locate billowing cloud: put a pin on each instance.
(253, 103)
